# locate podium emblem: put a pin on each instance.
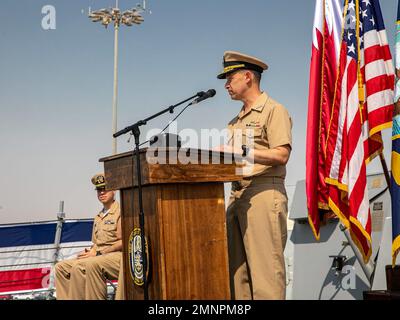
(135, 257)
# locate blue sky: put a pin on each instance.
(56, 96)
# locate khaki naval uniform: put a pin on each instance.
(257, 212)
(84, 279)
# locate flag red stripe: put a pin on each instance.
(376, 116)
(375, 53)
(379, 83)
(353, 136)
(357, 194)
(351, 76)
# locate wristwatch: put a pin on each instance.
(98, 253)
(246, 151)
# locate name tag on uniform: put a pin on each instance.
(109, 222)
(253, 124)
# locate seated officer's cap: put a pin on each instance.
(99, 181)
(234, 61)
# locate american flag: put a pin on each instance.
(363, 107)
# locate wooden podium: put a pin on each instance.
(185, 222)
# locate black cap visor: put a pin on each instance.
(230, 67)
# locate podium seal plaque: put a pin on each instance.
(135, 257)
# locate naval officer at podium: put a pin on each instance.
(257, 213)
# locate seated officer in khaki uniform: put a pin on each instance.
(257, 213)
(83, 278)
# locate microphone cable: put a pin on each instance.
(169, 124)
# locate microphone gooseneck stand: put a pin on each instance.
(135, 130)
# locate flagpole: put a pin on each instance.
(368, 268)
(115, 92)
(127, 18)
(385, 169)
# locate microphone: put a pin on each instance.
(200, 97)
(209, 94)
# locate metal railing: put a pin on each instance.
(44, 293)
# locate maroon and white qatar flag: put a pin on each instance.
(324, 65)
